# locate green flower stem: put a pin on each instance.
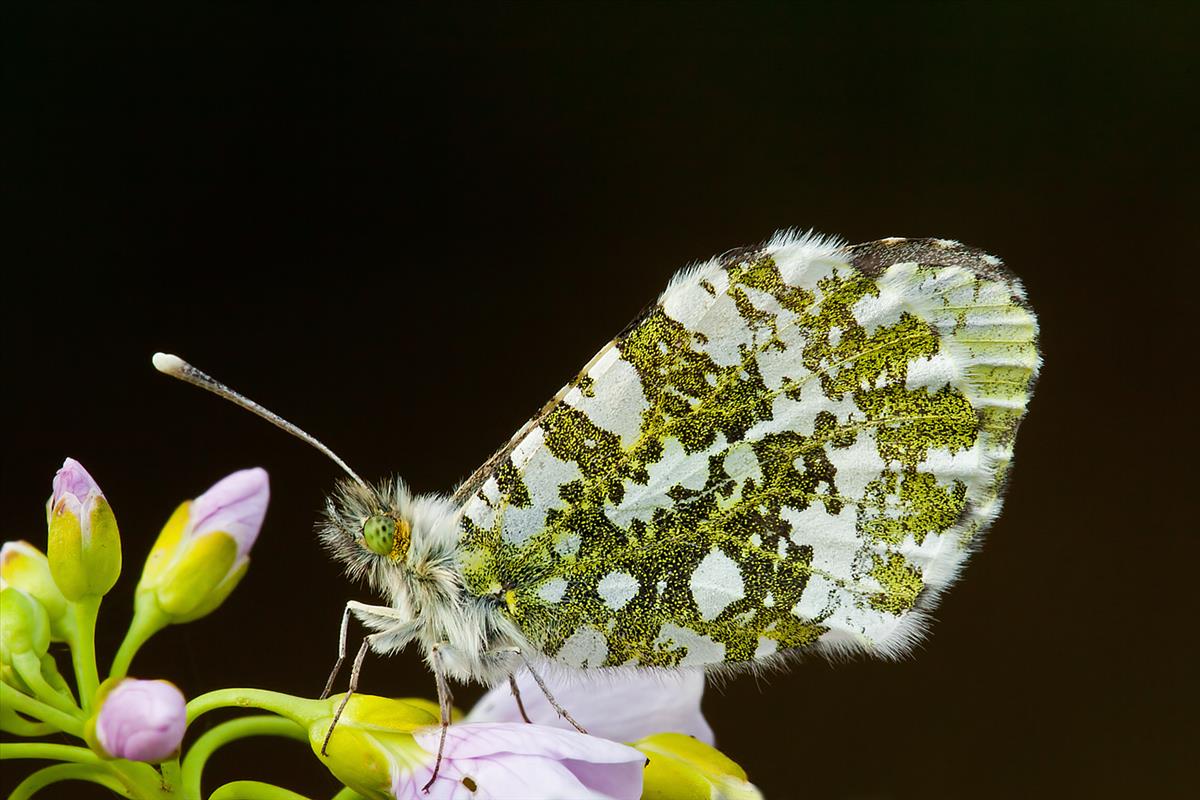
(50, 672)
(147, 621)
(19, 726)
(29, 667)
(170, 775)
(347, 794)
(66, 772)
(39, 710)
(140, 780)
(298, 709)
(127, 778)
(226, 732)
(253, 790)
(83, 649)
(48, 751)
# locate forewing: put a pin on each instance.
(794, 449)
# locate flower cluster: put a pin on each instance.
(648, 738)
(128, 724)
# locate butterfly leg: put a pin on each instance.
(385, 612)
(337, 665)
(516, 693)
(445, 706)
(358, 659)
(562, 712)
(396, 634)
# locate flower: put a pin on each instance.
(518, 760)
(384, 748)
(620, 707)
(679, 767)
(203, 550)
(25, 567)
(84, 546)
(140, 720)
(659, 712)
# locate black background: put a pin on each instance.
(404, 227)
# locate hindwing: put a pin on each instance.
(793, 449)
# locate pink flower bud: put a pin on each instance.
(204, 550)
(84, 546)
(142, 720)
(236, 504)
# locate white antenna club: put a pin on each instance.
(176, 367)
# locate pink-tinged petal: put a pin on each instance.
(74, 479)
(236, 504)
(623, 706)
(73, 484)
(518, 777)
(511, 761)
(473, 740)
(142, 720)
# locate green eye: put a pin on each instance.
(379, 534)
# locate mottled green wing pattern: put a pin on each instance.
(793, 450)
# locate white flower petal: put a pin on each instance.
(624, 706)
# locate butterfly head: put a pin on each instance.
(384, 533)
(368, 527)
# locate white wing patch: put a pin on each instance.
(716, 582)
(617, 588)
(614, 399)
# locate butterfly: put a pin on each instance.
(792, 452)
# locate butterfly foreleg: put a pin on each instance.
(401, 630)
(367, 614)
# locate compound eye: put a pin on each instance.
(379, 534)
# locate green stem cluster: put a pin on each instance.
(49, 707)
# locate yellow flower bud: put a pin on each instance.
(25, 567)
(203, 550)
(199, 570)
(84, 547)
(371, 742)
(201, 554)
(24, 625)
(684, 768)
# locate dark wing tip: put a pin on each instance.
(874, 257)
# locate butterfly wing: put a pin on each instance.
(794, 449)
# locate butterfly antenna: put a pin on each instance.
(176, 367)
